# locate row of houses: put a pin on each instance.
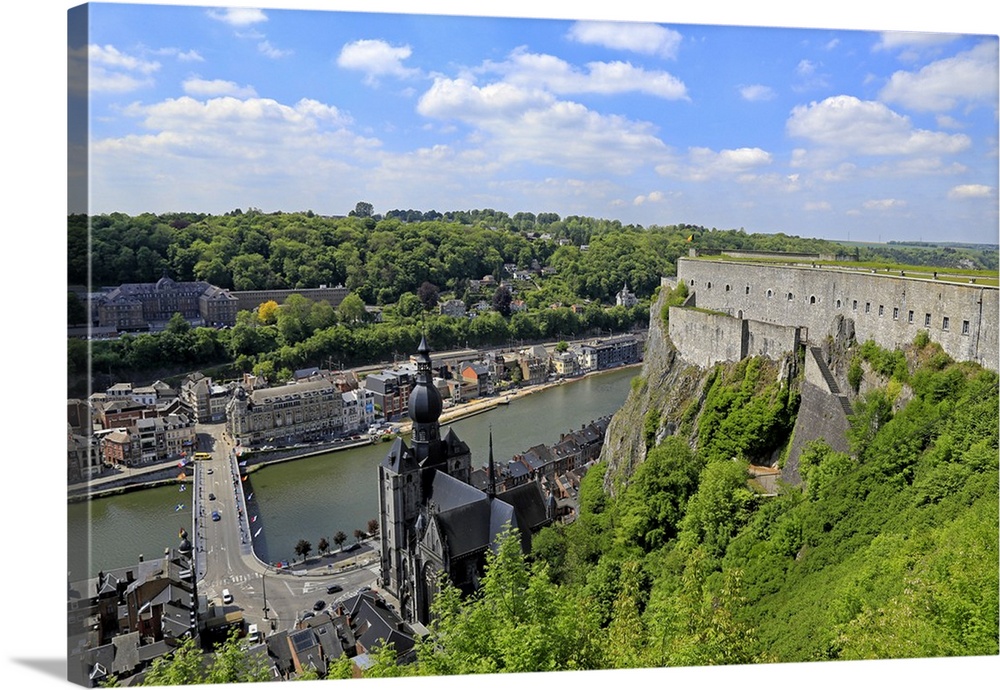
(557, 468)
(459, 378)
(123, 620)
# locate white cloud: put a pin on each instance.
(238, 16)
(519, 124)
(196, 86)
(848, 125)
(112, 71)
(376, 59)
(970, 191)
(651, 198)
(883, 204)
(190, 56)
(708, 164)
(220, 152)
(814, 206)
(647, 39)
(558, 76)
(265, 48)
(757, 92)
(895, 40)
(969, 77)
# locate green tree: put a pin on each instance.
(303, 548)
(231, 663)
(322, 546)
(339, 538)
(181, 667)
(351, 309)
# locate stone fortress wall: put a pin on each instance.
(764, 301)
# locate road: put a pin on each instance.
(225, 559)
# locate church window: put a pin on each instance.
(838, 304)
(965, 328)
(868, 307)
(909, 316)
(881, 310)
(727, 288)
(769, 294)
(927, 319)
(895, 313)
(789, 297)
(812, 299)
(944, 324)
(709, 286)
(854, 305)
(748, 289)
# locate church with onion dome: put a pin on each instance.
(432, 520)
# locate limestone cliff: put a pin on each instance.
(669, 395)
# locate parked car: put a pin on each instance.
(319, 605)
(215, 516)
(227, 597)
(211, 497)
(333, 589)
(211, 471)
(253, 634)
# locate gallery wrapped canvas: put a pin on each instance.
(439, 346)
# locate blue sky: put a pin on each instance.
(846, 134)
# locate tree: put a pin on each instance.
(359, 535)
(373, 527)
(323, 545)
(178, 325)
(267, 313)
(233, 664)
(303, 548)
(363, 209)
(562, 346)
(501, 300)
(428, 293)
(351, 309)
(182, 667)
(339, 538)
(409, 304)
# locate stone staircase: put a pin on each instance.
(831, 383)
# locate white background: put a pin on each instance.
(33, 117)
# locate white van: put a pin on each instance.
(253, 634)
(227, 597)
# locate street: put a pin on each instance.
(224, 558)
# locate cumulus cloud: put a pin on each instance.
(651, 198)
(848, 125)
(647, 39)
(266, 48)
(519, 124)
(376, 59)
(969, 77)
(533, 70)
(196, 86)
(895, 40)
(756, 92)
(970, 191)
(112, 71)
(814, 206)
(883, 204)
(238, 16)
(707, 164)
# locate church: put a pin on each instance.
(432, 520)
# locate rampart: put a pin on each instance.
(888, 309)
(705, 339)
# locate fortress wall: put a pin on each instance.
(706, 339)
(889, 309)
(770, 340)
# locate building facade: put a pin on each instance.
(303, 411)
(145, 306)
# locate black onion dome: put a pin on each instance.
(425, 403)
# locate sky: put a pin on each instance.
(845, 134)
(34, 123)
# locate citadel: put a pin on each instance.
(745, 309)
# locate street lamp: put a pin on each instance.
(263, 583)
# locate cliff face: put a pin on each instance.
(669, 395)
(666, 385)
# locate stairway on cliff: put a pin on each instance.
(831, 382)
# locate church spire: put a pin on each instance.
(491, 489)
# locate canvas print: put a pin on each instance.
(413, 345)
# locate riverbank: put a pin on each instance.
(168, 472)
(481, 405)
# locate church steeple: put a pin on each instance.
(425, 407)
(491, 489)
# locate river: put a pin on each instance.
(318, 496)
